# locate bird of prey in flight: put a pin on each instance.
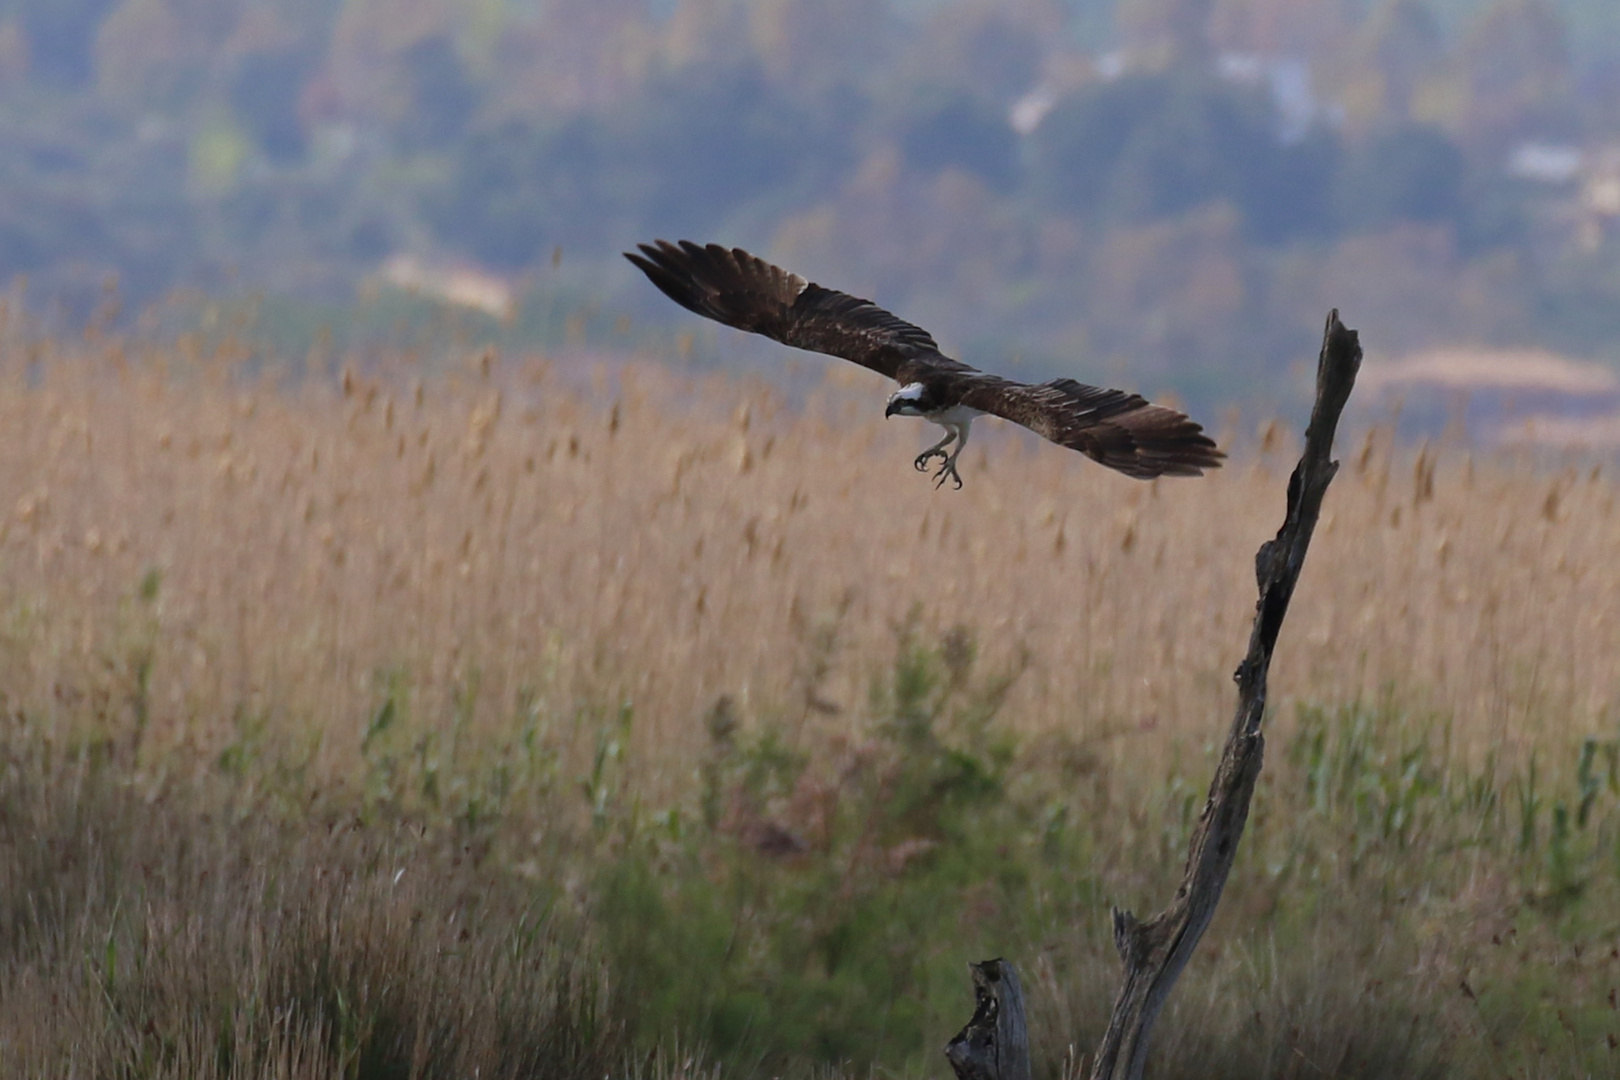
(1120, 430)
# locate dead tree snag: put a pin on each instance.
(1156, 951)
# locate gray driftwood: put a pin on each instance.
(995, 1043)
(1156, 951)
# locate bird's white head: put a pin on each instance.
(911, 400)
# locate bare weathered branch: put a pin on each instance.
(1156, 951)
(995, 1043)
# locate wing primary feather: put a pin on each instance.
(1121, 430)
(733, 287)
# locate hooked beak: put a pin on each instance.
(892, 410)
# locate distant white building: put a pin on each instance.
(452, 283)
(1545, 163)
(1286, 78)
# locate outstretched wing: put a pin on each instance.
(736, 288)
(1122, 431)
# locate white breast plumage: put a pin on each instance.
(954, 414)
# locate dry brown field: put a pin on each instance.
(221, 592)
(666, 541)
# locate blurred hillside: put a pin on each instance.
(1174, 187)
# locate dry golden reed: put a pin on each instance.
(504, 534)
(196, 557)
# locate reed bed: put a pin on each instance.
(665, 542)
(604, 639)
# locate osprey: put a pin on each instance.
(1120, 430)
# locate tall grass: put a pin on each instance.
(510, 722)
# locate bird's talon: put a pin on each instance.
(921, 464)
(947, 471)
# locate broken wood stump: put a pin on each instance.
(995, 1043)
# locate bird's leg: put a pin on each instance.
(921, 464)
(947, 469)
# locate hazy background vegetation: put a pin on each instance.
(1170, 188)
(409, 669)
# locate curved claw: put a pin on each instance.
(921, 464)
(947, 471)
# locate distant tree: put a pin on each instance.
(1389, 57)
(706, 31)
(1413, 280)
(1408, 173)
(13, 55)
(1003, 56)
(995, 50)
(149, 57)
(715, 140)
(1165, 34)
(1166, 293)
(1600, 97)
(213, 19)
(1515, 73)
(966, 132)
(567, 57)
(1147, 147)
(1287, 193)
(698, 147)
(1299, 28)
(813, 45)
(441, 95)
(61, 37)
(163, 54)
(1594, 31)
(1080, 141)
(387, 58)
(1201, 145)
(69, 212)
(368, 240)
(516, 187)
(265, 93)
